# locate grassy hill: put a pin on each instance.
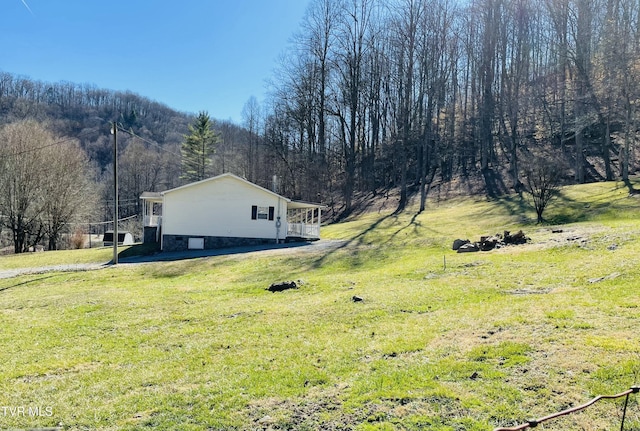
(440, 341)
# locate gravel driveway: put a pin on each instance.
(9, 273)
(322, 246)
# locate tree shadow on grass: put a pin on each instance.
(631, 187)
(494, 183)
(561, 210)
(25, 282)
(515, 205)
(565, 210)
(412, 223)
(360, 239)
(357, 240)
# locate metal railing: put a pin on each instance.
(535, 422)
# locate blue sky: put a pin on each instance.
(191, 55)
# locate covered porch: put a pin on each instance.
(303, 220)
(151, 216)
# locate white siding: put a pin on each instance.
(221, 207)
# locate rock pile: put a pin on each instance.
(487, 243)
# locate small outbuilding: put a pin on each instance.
(226, 211)
(124, 238)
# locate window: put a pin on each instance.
(262, 213)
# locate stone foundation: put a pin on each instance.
(181, 242)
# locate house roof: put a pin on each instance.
(226, 175)
(302, 204)
(151, 196)
(157, 196)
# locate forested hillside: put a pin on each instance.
(148, 151)
(377, 94)
(401, 92)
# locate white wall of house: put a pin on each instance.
(222, 206)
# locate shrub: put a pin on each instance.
(78, 239)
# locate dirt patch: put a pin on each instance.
(554, 236)
(320, 408)
(528, 291)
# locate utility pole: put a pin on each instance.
(115, 193)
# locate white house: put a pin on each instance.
(226, 211)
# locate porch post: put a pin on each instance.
(144, 212)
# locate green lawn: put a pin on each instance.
(66, 257)
(441, 341)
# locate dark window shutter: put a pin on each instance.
(254, 212)
(271, 212)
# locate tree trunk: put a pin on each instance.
(583, 60)
(487, 77)
(624, 153)
(606, 155)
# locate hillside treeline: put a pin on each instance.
(373, 94)
(149, 157)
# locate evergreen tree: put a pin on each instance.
(198, 148)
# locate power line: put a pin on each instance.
(94, 222)
(101, 222)
(120, 128)
(29, 150)
(155, 144)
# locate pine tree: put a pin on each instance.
(198, 148)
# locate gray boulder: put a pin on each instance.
(468, 248)
(459, 243)
(489, 242)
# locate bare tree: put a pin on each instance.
(515, 70)
(140, 169)
(582, 63)
(320, 23)
(492, 11)
(348, 109)
(251, 120)
(21, 164)
(68, 192)
(434, 82)
(406, 24)
(43, 183)
(542, 178)
(619, 77)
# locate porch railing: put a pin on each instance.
(152, 220)
(303, 230)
